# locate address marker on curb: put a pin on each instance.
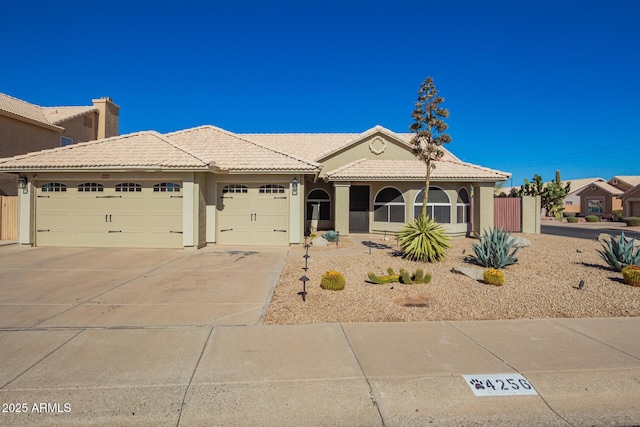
(500, 385)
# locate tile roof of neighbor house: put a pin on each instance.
(21, 109)
(228, 151)
(627, 193)
(365, 169)
(136, 150)
(57, 115)
(614, 191)
(632, 180)
(319, 145)
(578, 184)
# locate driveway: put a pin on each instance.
(44, 288)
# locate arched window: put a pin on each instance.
(438, 205)
(463, 206)
(271, 188)
(234, 188)
(320, 200)
(388, 206)
(128, 187)
(53, 186)
(90, 187)
(169, 187)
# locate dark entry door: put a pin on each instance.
(359, 209)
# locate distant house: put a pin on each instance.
(599, 198)
(572, 202)
(25, 128)
(206, 185)
(631, 201)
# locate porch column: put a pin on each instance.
(482, 207)
(26, 215)
(341, 207)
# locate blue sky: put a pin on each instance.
(532, 86)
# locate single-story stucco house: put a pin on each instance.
(206, 185)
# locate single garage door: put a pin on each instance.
(635, 209)
(108, 214)
(253, 214)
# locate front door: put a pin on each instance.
(359, 209)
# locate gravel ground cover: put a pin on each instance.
(543, 284)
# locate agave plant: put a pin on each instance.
(423, 239)
(619, 253)
(495, 249)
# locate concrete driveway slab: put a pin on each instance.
(543, 345)
(622, 333)
(20, 350)
(594, 397)
(118, 406)
(289, 403)
(448, 401)
(22, 316)
(418, 349)
(125, 357)
(155, 315)
(277, 353)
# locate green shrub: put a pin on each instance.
(569, 214)
(423, 239)
(619, 253)
(616, 215)
(592, 218)
(494, 277)
(495, 249)
(332, 280)
(632, 221)
(331, 236)
(631, 275)
(572, 219)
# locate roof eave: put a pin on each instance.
(31, 121)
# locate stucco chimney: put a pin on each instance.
(108, 115)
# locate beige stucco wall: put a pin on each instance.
(18, 137)
(201, 181)
(76, 129)
(483, 207)
(531, 214)
(108, 119)
(394, 150)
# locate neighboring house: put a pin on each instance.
(573, 203)
(631, 201)
(624, 183)
(26, 128)
(599, 198)
(206, 185)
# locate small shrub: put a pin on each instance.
(331, 236)
(572, 219)
(592, 218)
(332, 280)
(569, 214)
(423, 239)
(495, 249)
(631, 275)
(616, 215)
(632, 221)
(383, 280)
(619, 253)
(494, 277)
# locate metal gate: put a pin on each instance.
(507, 213)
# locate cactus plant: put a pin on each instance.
(494, 277)
(332, 280)
(631, 275)
(619, 253)
(419, 277)
(383, 280)
(423, 239)
(493, 250)
(331, 236)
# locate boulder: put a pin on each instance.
(472, 272)
(319, 242)
(521, 242)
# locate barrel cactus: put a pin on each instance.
(332, 280)
(493, 276)
(631, 275)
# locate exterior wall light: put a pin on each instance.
(294, 187)
(22, 184)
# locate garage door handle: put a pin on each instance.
(115, 231)
(284, 197)
(43, 197)
(226, 197)
(227, 229)
(280, 231)
(39, 231)
(177, 232)
(176, 197)
(108, 197)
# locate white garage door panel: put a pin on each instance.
(109, 218)
(254, 217)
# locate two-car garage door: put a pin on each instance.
(109, 214)
(253, 214)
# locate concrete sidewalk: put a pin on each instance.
(586, 372)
